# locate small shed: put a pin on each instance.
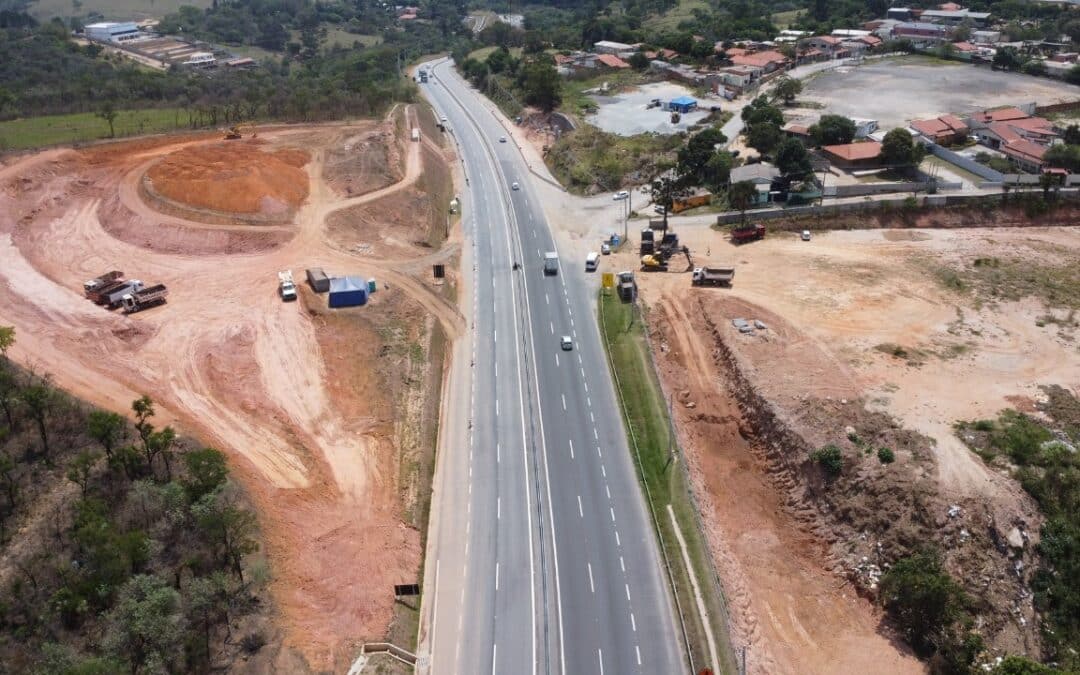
(320, 283)
(683, 104)
(348, 292)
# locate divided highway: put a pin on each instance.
(541, 555)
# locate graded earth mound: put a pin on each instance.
(233, 177)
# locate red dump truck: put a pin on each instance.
(745, 233)
(99, 282)
(144, 298)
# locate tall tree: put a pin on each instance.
(667, 188)
(787, 88)
(792, 159)
(107, 428)
(541, 85)
(146, 625)
(698, 150)
(7, 337)
(833, 130)
(107, 112)
(741, 196)
(40, 399)
(899, 150)
(231, 529)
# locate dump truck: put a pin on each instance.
(144, 299)
(744, 233)
(113, 298)
(627, 286)
(653, 263)
(712, 276)
(98, 282)
(551, 262)
(286, 286)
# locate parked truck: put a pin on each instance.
(144, 299)
(744, 233)
(114, 298)
(103, 280)
(551, 262)
(627, 286)
(286, 286)
(712, 276)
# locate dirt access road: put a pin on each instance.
(299, 399)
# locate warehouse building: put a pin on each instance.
(112, 31)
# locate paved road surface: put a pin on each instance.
(542, 557)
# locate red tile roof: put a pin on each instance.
(562, 58)
(760, 59)
(612, 61)
(950, 7)
(1021, 149)
(870, 40)
(1036, 125)
(964, 47)
(854, 151)
(954, 123)
(1004, 132)
(734, 51)
(827, 39)
(946, 125)
(1001, 115)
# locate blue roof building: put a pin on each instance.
(683, 104)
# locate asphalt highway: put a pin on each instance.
(541, 558)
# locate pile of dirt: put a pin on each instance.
(232, 177)
(397, 226)
(362, 162)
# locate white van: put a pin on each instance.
(592, 261)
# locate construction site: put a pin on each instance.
(863, 339)
(184, 245)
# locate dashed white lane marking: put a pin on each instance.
(552, 325)
(498, 512)
(496, 407)
(583, 372)
(494, 656)
(588, 400)
(598, 453)
(607, 490)
(627, 587)
(546, 301)
(633, 623)
(556, 360)
(581, 512)
(617, 542)
(594, 433)
(622, 564)
(498, 453)
(563, 401)
(571, 449)
(600, 655)
(586, 382)
(637, 651)
(603, 471)
(496, 576)
(612, 510)
(578, 357)
(571, 322)
(591, 587)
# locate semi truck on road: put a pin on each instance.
(144, 298)
(713, 276)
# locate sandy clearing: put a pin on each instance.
(226, 360)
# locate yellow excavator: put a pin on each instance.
(235, 133)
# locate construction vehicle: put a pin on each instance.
(653, 263)
(97, 282)
(712, 276)
(144, 299)
(112, 299)
(235, 133)
(286, 286)
(647, 242)
(627, 286)
(551, 263)
(751, 232)
(100, 295)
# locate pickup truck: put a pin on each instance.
(286, 286)
(712, 276)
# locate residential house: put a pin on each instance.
(826, 43)
(1025, 154)
(611, 61)
(761, 175)
(616, 48)
(663, 54)
(739, 77)
(922, 32)
(1021, 137)
(769, 61)
(985, 37)
(799, 131)
(871, 41)
(811, 56)
(943, 130)
(865, 155)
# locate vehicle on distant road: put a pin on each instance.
(502, 139)
(592, 261)
(515, 186)
(605, 248)
(621, 194)
(566, 343)
(286, 286)
(551, 262)
(806, 235)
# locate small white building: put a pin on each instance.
(112, 31)
(609, 47)
(200, 60)
(864, 127)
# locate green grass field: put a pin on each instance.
(113, 10)
(645, 413)
(484, 52)
(671, 19)
(36, 132)
(783, 20)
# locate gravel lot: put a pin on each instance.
(625, 114)
(896, 91)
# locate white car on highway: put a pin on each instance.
(502, 139)
(515, 186)
(566, 343)
(621, 194)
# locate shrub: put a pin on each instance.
(830, 459)
(922, 599)
(886, 455)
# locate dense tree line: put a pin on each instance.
(125, 547)
(42, 71)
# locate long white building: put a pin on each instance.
(112, 31)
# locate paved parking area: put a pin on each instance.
(625, 114)
(895, 91)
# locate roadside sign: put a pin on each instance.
(608, 279)
(406, 589)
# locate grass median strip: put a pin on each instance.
(645, 414)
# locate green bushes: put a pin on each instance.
(922, 599)
(886, 455)
(830, 459)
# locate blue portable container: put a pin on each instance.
(347, 292)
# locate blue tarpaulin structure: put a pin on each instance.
(348, 292)
(683, 104)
